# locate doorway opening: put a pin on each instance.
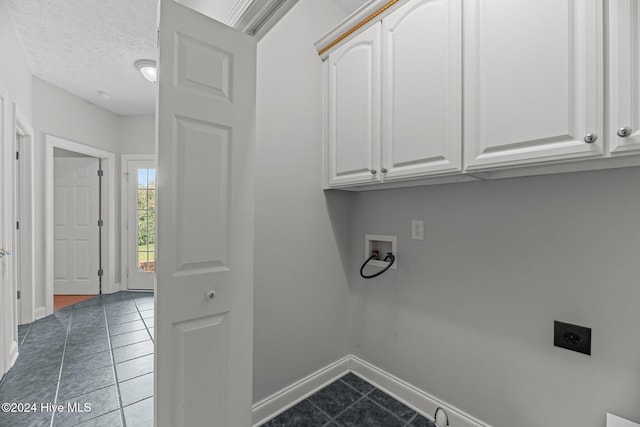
(67, 252)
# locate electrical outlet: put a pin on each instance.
(417, 229)
(572, 337)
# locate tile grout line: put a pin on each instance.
(334, 419)
(64, 350)
(143, 320)
(26, 334)
(406, 423)
(113, 361)
(363, 396)
(390, 411)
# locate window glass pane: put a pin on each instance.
(146, 226)
(142, 178)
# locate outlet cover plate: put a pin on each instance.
(417, 229)
(572, 337)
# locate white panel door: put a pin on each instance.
(8, 301)
(141, 221)
(75, 220)
(354, 110)
(422, 89)
(533, 81)
(204, 291)
(624, 75)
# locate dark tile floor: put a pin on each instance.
(350, 402)
(98, 352)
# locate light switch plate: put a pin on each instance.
(417, 229)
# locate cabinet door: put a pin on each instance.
(354, 110)
(533, 81)
(422, 89)
(624, 72)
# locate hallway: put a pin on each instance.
(97, 354)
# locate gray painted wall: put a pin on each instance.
(137, 134)
(302, 237)
(468, 316)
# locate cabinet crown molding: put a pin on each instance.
(358, 21)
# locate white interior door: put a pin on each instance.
(8, 302)
(75, 216)
(205, 151)
(141, 224)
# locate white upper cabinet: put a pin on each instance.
(624, 74)
(533, 81)
(422, 90)
(354, 110)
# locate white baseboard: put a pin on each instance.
(39, 312)
(418, 400)
(298, 391)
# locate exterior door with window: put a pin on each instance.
(141, 224)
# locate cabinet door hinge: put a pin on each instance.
(100, 273)
(18, 294)
(100, 172)
(17, 155)
(17, 225)
(100, 223)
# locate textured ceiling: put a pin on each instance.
(86, 46)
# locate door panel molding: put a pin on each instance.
(76, 261)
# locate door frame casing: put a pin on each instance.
(109, 197)
(24, 262)
(124, 213)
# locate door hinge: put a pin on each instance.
(100, 273)
(100, 223)
(17, 155)
(127, 272)
(17, 225)
(100, 172)
(18, 294)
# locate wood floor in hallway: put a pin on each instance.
(62, 301)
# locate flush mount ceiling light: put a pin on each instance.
(148, 69)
